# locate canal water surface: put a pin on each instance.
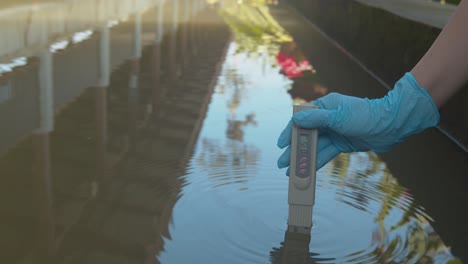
(147, 134)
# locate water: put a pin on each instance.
(128, 142)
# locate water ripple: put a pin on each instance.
(362, 214)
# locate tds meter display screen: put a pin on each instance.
(303, 154)
(303, 143)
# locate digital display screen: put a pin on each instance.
(303, 143)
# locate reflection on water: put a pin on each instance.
(93, 139)
(362, 214)
(306, 85)
(142, 135)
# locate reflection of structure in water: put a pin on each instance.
(235, 126)
(106, 166)
(295, 249)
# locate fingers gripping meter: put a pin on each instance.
(301, 195)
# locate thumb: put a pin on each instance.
(314, 118)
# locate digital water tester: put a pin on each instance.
(301, 195)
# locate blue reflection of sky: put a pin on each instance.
(222, 221)
(16, 62)
(81, 36)
(233, 208)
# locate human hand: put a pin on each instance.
(350, 124)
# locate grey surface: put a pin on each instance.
(427, 12)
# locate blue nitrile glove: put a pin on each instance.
(348, 124)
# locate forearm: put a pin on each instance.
(444, 68)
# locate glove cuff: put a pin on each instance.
(415, 111)
(424, 92)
